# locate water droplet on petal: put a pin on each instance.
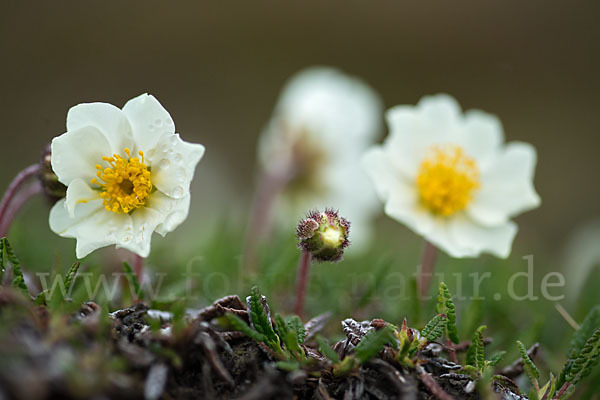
(178, 157)
(158, 122)
(164, 163)
(177, 192)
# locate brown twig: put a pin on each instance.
(432, 385)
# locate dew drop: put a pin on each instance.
(178, 157)
(158, 122)
(164, 163)
(180, 175)
(177, 192)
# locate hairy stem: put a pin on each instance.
(562, 391)
(14, 187)
(427, 268)
(302, 283)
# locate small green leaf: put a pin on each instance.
(70, 277)
(476, 352)
(295, 324)
(240, 325)
(528, 366)
(434, 328)
(585, 331)
(445, 305)
(259, 316)
(8, 257)
(326, 350)
(373, 342)
(496, 358)
(586, 360)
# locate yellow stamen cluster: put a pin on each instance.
(126, 184)
(447, 180)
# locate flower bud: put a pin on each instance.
(53, 189)
(324, 235)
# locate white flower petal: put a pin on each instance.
(475, 238)
(79, 192)
(174, 211)
(443, 109)
(108, 119)
(93, 226)
(382, 172)
(76, 153)
(173, 162)
(149, 121)
(483, 136)
(507, 186)
(144, 221)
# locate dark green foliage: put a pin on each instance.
(259, 316)
(295, 324)
(288, 334)
(586, 360)
(476, 352)
(326, 350)
(240, 325)
(496, 358)
(434, 328)
(133, 280)
(445, 305)
(528, 366)
(8, 257)
(372, 343)
(578, 341)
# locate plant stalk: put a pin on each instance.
(302, 283)
(138, 267)
(427, 268)
(14, 187)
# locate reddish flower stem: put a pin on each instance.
(302, 283)
(138, 267)
(18, 201)
(427, 268)
(14, 187)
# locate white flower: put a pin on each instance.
(128, 175)
(449, 177)
(322, 124)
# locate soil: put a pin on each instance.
(137, 353)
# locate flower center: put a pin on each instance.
(126, 184)
(447, 180)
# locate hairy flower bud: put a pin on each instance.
(324, 235)
(53, 189)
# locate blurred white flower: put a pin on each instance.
(322, 124)
(449, 177)
(128, 175)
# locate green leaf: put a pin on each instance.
(528, 366)
(586, 360)
(326, 350)
(372, 343)
(8, 257)
(434, 328)
(445, 305)
(289, 336)
(295, 324)
(240, 325)
(585, 331)
(496, 358)
(133, 280)
(259, 316)
(70, 277)
(476, 352)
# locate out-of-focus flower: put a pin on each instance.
(127, 174)
(449, 177)
(322, 124)
(324, 235)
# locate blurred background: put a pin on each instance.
(218, 67)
